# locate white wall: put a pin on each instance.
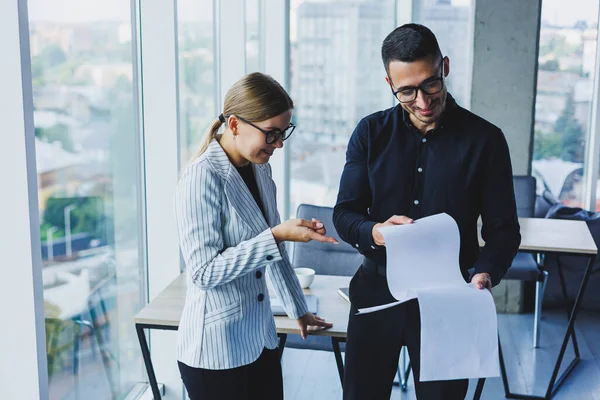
(23, 369)
(277, 57)
(161, 155)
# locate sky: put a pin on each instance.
(566, 13)
(557, 12)
(82, 11)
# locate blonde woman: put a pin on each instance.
(230, 234)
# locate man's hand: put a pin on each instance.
(482, 281)
(394, 220)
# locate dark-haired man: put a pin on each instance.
(425, 156)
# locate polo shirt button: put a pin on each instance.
(258, 274)
(261, 297)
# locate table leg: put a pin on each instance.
(338, 357)
(282, 340)
(148, 361)
(404, 369)
(555, 380)
(570, 332)
(479, 389)
(570, 305)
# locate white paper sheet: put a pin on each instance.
(459, 336)
(312, 302)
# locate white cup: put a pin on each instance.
(306, 276)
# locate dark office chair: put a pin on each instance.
(325, 259)
(526, 266)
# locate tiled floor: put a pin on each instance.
(312, 375)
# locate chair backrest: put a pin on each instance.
(525, 186)
(543, 203)
(325, 258)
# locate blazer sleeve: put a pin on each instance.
(198, 216)
(283, 278)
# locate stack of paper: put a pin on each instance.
(459, 330)
(311, 302)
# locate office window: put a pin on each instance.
(567, 54)
(337, 78)
(197, 77)
(452, 23)
(253, 36)
(87, 152)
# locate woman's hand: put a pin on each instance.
(301, 230)
(310, 322)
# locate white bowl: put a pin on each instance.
(306, 276)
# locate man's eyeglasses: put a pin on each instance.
(272, 135)
(408, 94)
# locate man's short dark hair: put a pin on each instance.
(408, 43)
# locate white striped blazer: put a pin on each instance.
(227, 246)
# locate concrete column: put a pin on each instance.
(506, 37)
(505, 51)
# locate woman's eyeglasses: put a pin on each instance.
(272, 135)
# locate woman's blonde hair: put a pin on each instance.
(256, 97)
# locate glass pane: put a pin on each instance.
(253, 47)
(451, 21)
(337, 78)
(87, 163)
(567, 53)
(196, 73)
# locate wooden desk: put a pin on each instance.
(560, 237)
(556, 236)
(164, 313)
(166, 308)
(331, 306)
(538, 235)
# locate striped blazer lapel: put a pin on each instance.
(236, 190)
